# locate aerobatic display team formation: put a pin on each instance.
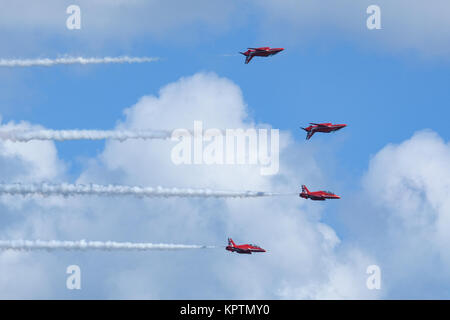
(67, 189)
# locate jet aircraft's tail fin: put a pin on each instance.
(304, 189)
(231, 242)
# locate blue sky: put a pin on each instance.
(384, 85)
(380, 95)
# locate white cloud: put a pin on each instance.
(413, 25)
(38, 159)
(412, 181)
(406, 24)
(301, 250)
(344, 280)
(25, 276)
(20, 273)
(106, 23)
(304, 255)
(402, 216)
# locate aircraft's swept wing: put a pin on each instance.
(239, 250)
(309, 135)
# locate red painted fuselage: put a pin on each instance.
(260, 52)
(322, 127)
(243, 248)
(317, 195)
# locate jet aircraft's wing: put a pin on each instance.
(309, 135)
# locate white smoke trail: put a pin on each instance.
(62, 135)
(65, 189)
(72, 60)
(83, 245)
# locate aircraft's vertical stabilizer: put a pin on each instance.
(231, 242)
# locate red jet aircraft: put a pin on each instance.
(317, 195)
(322, 127)
(243, 248)
(260, 52)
